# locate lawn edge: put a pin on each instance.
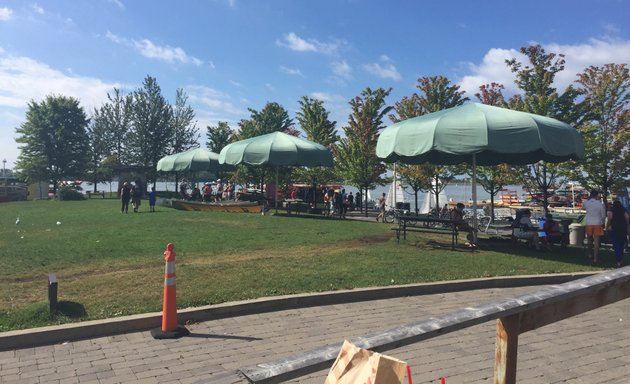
(34, 337)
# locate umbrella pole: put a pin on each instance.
(474, 196)
(275, 196)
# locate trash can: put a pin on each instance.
(576, 234)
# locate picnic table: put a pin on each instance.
(293, 203)
(426, 224)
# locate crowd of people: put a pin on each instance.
(338, 203)
(222, 191)
(132, 192)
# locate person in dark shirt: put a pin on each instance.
(125, 196)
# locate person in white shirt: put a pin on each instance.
(595, 214)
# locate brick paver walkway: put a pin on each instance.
(590, 348)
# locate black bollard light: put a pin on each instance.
(52, 292)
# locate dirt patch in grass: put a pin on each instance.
(306, 251)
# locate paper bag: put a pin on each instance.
(356, 365)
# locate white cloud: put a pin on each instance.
(6, 14)
(342, 69)
(23, 79)
(152, 51)
(37, 9)
(270, 87)
(595, 52)
(491, 69)
(385, 71)
(296, 43)
(291, 71)
(217, 102)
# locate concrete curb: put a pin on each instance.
(144, 322)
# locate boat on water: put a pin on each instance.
(231, 206)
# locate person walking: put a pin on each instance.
(152, 200)
(125, 196)
(381, 208)
(617, 227)
(595, 214)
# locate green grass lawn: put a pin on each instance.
(111, 264)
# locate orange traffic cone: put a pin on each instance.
(170, 329)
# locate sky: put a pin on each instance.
(231, 55)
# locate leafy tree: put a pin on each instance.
(540, 97)
(153, 132)
(356, 153)
(314, 121)
(99, 148)
(116, 118)
(219, 136)
(185, 131)
(272, 118)
(491, 94)
(493, 180)
(54, 140)
(438, 94)
(607, 132)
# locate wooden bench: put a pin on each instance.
(97, 193)
(426, 224)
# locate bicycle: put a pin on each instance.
(483, 221)
(392, 214)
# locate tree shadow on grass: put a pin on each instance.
(70, 309)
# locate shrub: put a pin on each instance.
(69, 193)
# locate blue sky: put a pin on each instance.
(230, 55)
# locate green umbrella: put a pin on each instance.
(479, 134)
(198, 159)
(277, 149)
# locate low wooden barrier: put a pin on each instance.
(513, 316)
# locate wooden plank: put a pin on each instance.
(556, 311)
(604, 288)
(506, 350)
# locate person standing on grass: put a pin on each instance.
(125, 196)
(617, 227)
(595, 213)
(381, 208)
(152, 200)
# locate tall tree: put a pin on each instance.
(54, 140)
(607, 131)
(541, 97)
(116, 115)
(355, 154)
(99, 137)
(185, 131)
(316, 124)
(153, 132)
(491, 94)
(272, 118)
(219, 136)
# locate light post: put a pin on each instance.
(4, 168)
(572, 195)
